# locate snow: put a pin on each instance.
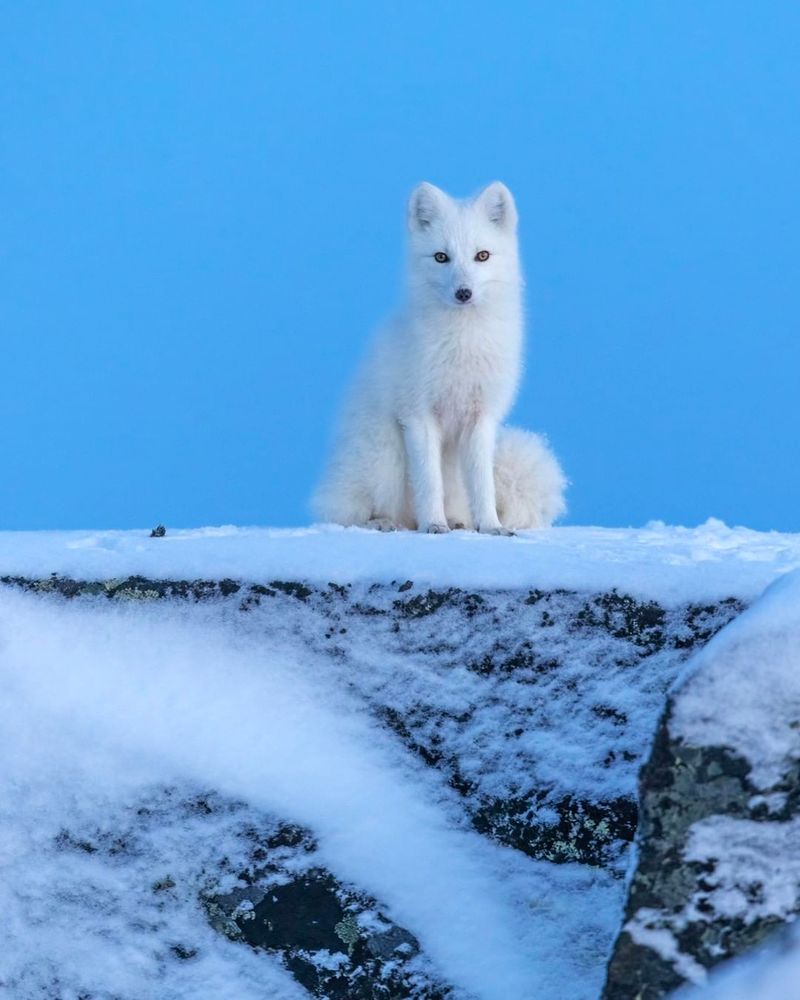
(756, 867)
(753, 668)
(103, 703)
(658, 561)
(114, 717)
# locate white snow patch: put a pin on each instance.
(756, 871)
(648, 930)
(670, 564)
(102, 704)
(77, 923)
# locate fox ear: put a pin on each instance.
(498, 203)
(425, 204)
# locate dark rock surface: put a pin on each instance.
(685, 915)
(336, 941)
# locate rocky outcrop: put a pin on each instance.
(679, 918)
(717, 868)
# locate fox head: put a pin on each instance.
(463, 254)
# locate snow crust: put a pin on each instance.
(658, 561)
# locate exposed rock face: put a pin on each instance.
(676, 918)
(334, 939)
(718, 867)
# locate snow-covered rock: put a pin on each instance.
(718, 865)
(427, 746)
(658, 562)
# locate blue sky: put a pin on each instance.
(203, 220)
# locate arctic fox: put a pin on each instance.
(420, 444)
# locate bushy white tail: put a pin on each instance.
(366, 481)
(528, 480)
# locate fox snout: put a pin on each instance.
(463, 294)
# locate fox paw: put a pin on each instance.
(382, 524)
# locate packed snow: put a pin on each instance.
(658, 561)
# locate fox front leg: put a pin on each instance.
(423, 443)
(478, 460)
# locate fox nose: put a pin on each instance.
(464, 294)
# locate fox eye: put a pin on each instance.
(441, 258)
(482, 255)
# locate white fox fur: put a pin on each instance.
(420, 443)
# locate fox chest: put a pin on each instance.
(465, 379)
(458, 406)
